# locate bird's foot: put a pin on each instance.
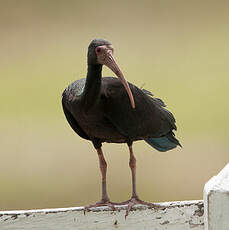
(133, 201)
(100, 204)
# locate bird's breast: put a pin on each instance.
(96, 125)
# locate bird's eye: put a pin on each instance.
(98, 49)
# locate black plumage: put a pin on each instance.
(113, 119)
(99, 109)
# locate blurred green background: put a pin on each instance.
(177, 49)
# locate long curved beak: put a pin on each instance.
(110, 62)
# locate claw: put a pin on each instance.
(99, 204)
(133, 201)
(129, 207)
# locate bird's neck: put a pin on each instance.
(91, 91)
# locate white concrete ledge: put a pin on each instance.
(212, 214)
(182, 215)
(216, 201)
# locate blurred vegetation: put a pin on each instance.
(176, 49)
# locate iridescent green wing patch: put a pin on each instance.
(75, 89)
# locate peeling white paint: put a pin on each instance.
(170, 216)
(216, 201)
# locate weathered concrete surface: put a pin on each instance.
(216, 200)
(170, 216)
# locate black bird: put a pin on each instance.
(111, 110)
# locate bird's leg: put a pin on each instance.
(134, 198)
(132, 164)
(103, 169)
(105, 201)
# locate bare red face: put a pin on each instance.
(105, 57)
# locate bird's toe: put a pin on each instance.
(101, 203)
(135, 201)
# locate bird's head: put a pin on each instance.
(100, 52)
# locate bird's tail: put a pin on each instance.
(164, 143)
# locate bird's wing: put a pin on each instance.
(148, 119)
(72, 121)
